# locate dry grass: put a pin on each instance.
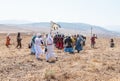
(100, 64)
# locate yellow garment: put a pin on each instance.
(73, 40)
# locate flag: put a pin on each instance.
(55, 26)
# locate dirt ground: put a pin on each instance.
(100, 64)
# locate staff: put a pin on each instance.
(91, 31)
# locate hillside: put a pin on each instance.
(72, 28)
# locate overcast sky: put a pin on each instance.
(95, 12)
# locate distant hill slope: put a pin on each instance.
(66, 28)
(75, 28)
(114, 28)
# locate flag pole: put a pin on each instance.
(51, 25)
(91, 31)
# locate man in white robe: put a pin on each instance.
(50, 48)
(38, 49)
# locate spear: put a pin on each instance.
(91, 31)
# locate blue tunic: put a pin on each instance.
(79, 46)
(32, 45)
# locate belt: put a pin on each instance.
(49, 44)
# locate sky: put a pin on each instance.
(95, 12)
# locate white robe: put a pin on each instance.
(38, 49)
(50, 48)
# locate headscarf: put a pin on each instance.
(80, 36)
(38, 35)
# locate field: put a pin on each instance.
(99, 64)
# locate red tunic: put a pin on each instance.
(61, 43)
(93, 40)
(7, 41)
(57, 42)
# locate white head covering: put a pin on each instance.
(38, 34)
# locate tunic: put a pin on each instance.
(50, 47)
(33, 45)
(79, 46)
(7, 41)
(38, 49)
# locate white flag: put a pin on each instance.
(55, 26)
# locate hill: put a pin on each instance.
(72, 28)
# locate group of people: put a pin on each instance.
(60, 41)
(19, 39)
(93, 42)
(72, 43)
(36, 44)
(48, 42)
(68, 43)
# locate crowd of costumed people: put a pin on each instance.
(59, 41)
(67, 43)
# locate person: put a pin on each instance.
(58, 41)
(93, 40)
(8, 40)
(54, 39)
(79, 45)
(50, 48)
(19, 39)
(84, 38)
(73, 40)
(68, 42)
(38, 48)
(61, 41)
(112, 44)
(33, 44)
(44, 42)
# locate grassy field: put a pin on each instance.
(100, 64)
